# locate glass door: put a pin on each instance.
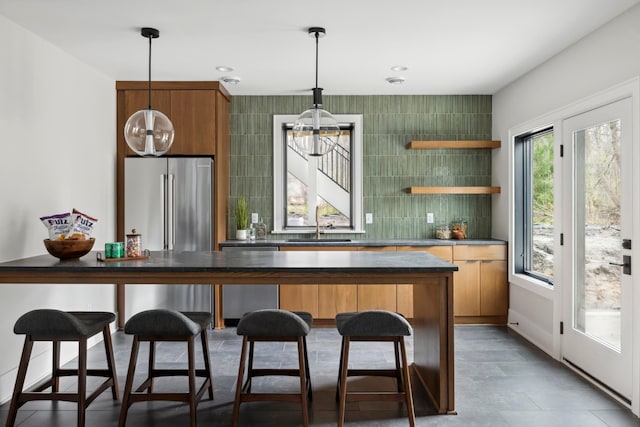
(597, 285)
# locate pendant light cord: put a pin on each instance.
(149, 86)
(317, 38)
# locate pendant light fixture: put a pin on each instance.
(316, 131)
(149, 132)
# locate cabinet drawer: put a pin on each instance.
(480, 252)
(442, 252)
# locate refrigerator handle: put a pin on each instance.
(163, 207)
(171, 212)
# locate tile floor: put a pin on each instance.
(501, 380)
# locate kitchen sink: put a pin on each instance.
(314, 240)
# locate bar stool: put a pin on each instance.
(167, 325)
(374, 325)
(273, 325)
(57, 326)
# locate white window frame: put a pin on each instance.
(279, 198)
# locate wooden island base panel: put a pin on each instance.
(431, 277)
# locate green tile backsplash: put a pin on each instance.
(390, 122)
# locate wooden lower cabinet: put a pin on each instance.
(334, 299)
(299, 298)
(481, 288)
(404, 293)
(323, 302)
(377, 297)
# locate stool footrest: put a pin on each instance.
(372, 373)
(389, 396)
(279, 397)
(138, 396)
(268, 372)
(90, 373)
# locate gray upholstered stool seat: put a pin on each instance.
(56, 326)
(168, 325)
(271, 325)
(374, 325)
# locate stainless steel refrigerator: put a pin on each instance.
(169, 202)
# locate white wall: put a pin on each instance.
(603, 59)
(57, 118)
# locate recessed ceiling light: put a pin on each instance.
(232, 80)
(395, 80)
(399, 68)
(224, 68)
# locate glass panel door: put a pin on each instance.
(597, 315)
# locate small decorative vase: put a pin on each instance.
(241, 234)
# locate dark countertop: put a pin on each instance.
(235, 262)
(328, 241)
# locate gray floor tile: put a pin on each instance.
(501, 380)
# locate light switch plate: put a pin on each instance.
(368, 218)
(430, 218)
(254, 218)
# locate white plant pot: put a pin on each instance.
(241, 234)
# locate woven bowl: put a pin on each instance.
(69, 249)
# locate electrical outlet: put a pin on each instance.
(368, 218)
(429, 218)
(254, 218)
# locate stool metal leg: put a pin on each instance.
(207, 363)
(303, 381)
(407, 385)
(55, 368)
(22, 373)
(82, 380)
(307, 371)
(129, 383)
(111, 363)
(192, 380)
(152, 364)
(236, 405)
(344, 361)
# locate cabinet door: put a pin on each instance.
(136, 100)
(334, 299)
(466, 289)
(404, 293)
(299, 298)
(494, 288)
(322, 301)
(377, 297)
(193, 116)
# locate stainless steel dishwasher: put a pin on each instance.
(239, 299)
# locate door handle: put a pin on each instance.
(625, 264)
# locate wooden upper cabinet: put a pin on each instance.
(193, 114)
(199, 111)
(136, 100)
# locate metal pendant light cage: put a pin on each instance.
(149, 132)
(316, 131)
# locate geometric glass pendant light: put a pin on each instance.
(316, 131)
(149, 132)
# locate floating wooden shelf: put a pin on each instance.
(434, 145)
(453, 190)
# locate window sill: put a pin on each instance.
(531, 284)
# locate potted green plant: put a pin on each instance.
(242, 218)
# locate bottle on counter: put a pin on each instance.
(261, 230)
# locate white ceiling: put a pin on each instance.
(449, 46)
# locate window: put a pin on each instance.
(331, 183)
(534, 204)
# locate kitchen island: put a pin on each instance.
(431, 277)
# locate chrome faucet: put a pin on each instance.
(317, 223)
